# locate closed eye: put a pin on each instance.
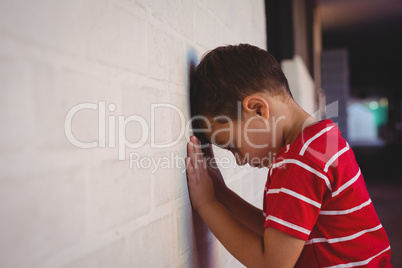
(230, 147)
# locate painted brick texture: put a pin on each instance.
(64, 206)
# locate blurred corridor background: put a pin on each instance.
(94, 106)
(369, 36)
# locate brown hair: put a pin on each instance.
(228, 74)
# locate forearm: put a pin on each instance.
(239, 230)
(244, 212)
(244, 244)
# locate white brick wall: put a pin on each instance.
(63, 206)
(301, 84)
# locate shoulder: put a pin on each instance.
(320, 151)
(320, 144)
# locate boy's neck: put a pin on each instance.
(298, 119)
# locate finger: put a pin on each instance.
(197, 147)
(189, 167)
(191, 149)
(196, 142)
(195, 158)
(198, 161)
(191, 153)
(188, 148)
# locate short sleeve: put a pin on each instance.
(295, 192)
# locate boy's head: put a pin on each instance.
(227, 76)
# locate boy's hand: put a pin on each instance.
(200, 186)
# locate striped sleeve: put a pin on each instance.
(294, 196)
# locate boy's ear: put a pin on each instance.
(256, 105)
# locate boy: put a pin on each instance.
(316, 211)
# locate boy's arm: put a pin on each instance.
(273, 249)
(247, 214)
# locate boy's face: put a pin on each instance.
(252, 140)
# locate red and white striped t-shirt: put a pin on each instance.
(315, 191)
